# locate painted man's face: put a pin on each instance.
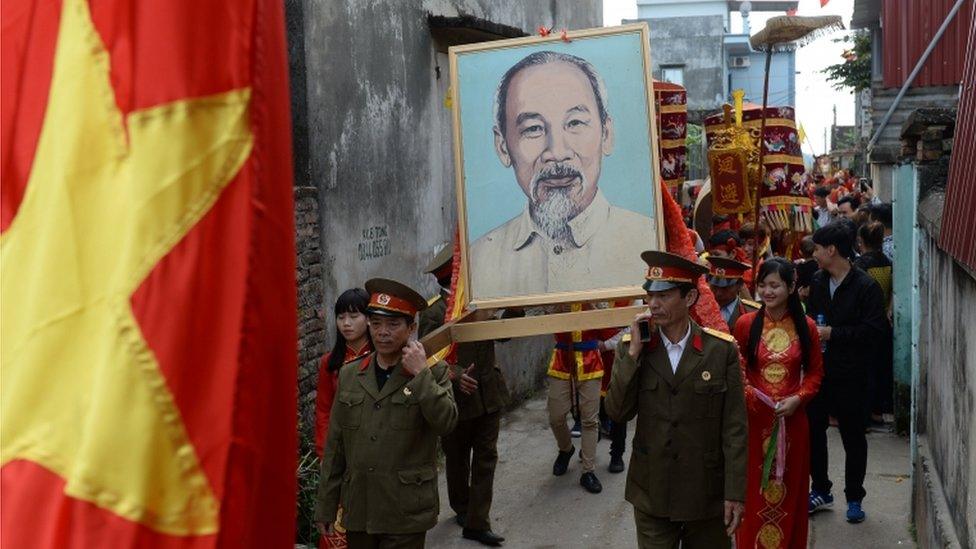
(554, 138)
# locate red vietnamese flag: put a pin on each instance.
(823, 3)
(148, 279)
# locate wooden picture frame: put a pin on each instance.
(644, 161)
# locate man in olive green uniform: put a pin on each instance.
(725, 279)
(470, 451)
(687, 473)
(380, 459)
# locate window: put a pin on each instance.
(674, 74)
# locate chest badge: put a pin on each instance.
(706, 375)
(407, 391)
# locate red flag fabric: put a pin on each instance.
(705, 312)
(172, 299)
(823, 3)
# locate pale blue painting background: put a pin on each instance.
(492, 195)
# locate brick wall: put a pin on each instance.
(311, 318)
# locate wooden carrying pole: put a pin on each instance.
(465, 330)
(762, 167)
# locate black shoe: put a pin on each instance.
(562, 462)
(591, 483)
(485, 537)
(616, 464)
(577, 430)
(459, 519)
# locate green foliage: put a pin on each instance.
(855, 71)
(309, 470)
(694, 135)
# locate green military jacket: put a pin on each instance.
(380, 459)
(691, 439)
(742, 307)
(492, 394)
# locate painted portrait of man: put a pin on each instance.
(553, 130)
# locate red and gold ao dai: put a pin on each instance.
(777, 516)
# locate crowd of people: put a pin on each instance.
(730, 440)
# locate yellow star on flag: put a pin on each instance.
(109, 196)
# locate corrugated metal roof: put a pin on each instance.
(958, 233)
(908, 26)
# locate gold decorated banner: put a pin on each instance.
(730, 181)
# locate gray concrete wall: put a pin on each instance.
(696, 43)
(782, 78)
(370, 108)
(945, 467)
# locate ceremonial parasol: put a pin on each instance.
(779, 31)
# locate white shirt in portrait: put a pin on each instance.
(603, 251)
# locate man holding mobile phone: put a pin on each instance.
(687, 472)
(380, 460)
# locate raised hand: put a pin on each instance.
(414, 358)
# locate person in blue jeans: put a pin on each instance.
(851, 305)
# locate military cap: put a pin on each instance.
(666, 270)
(724, 272)
(441, 262)
(391, 298)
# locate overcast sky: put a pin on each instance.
(815, 98)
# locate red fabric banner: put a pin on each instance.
(705, 312)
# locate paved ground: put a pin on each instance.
(534, 509)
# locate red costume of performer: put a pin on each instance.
(777, 516)
(326, 393)
(577, 354)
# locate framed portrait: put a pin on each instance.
(555, 152)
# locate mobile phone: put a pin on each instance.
(644, 327)
(865, 184)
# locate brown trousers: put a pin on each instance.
(470, 454)
(561, 403)
(362, 540)
(662, 533)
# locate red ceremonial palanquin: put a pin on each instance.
(325, 393)
(777, 516)
(671, 109)
(784, 202)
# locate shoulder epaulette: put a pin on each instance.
(434, 299)
(625, 338)
(718, 334)
(750, 303)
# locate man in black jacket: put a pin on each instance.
(849, 307)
